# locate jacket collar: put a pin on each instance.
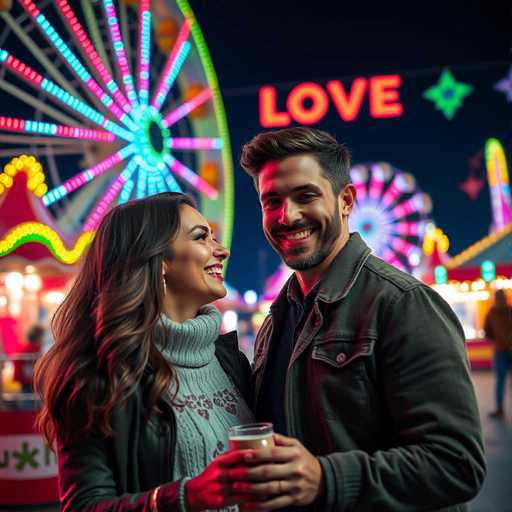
(340, 276)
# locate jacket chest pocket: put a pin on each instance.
(341, 353)
(341, 368)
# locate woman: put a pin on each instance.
(139, 388)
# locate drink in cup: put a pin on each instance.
(251, 436)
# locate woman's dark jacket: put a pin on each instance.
(118, 473)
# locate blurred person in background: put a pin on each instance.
(498, 328)
(139, 388)
(24, 366)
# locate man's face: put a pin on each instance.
(302, 219)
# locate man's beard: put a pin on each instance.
(329, 237)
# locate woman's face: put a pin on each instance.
(194, 276)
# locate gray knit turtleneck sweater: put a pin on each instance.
(207, 403)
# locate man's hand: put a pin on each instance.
(278, 477)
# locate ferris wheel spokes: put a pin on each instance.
(73, 62)
(36, 80)
(82, 178)
(144, 50)
(108, 197)
(57, 130)
(118, 45)
(187, 107)
(172, 66)
(195, 143)
(191, 177)
(89, 53)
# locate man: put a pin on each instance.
(498, 328)
(361, 368)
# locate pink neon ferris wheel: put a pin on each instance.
(118, 100)
(391, 213)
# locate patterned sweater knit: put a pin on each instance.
(207, 403)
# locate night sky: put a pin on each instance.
(284, 43)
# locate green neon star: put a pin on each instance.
(447, 94)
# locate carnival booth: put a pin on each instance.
(36, 267)
(469, 280)
(109, 122)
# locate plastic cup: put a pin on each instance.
(251, 436)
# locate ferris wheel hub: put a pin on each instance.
(151, 139)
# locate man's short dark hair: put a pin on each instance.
(333, 158)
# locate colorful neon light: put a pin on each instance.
(196, 181)
(43, 234)
(144, 49)
(171, 182)
(117, 43)
(57, 130)
(187, 107)
(36, 80)
(172, 66)
(36, 180)
(113, 190)
(142, 133)
(499, 186)
(383, 95)
(88, 175)
(448, 94)
(505, 85)
(317, 97)
(72, 59)
(347, 105)
(391, 221)
(435, 237)
(195, 143)
(90, 53)
(478, 247)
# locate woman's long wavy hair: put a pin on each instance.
(106, 328)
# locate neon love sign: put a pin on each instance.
(307, 103)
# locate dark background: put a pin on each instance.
(287, 42)
(284, 42)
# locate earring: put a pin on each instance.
(165, 284)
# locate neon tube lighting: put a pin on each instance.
(91, 54)
(194, 143)
(187, 107)
(57, 130)
(195, 180)
(117, 43)
(109, 196)
(86, 176)
(171, 68)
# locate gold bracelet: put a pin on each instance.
(153, 504)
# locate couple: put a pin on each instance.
(361, 368)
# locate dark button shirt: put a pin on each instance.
(271, 401)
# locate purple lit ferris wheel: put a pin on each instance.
(126, 92)
(390, 213)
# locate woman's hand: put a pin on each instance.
(213, 488)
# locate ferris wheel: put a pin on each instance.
(118, 100)
(391, 213)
